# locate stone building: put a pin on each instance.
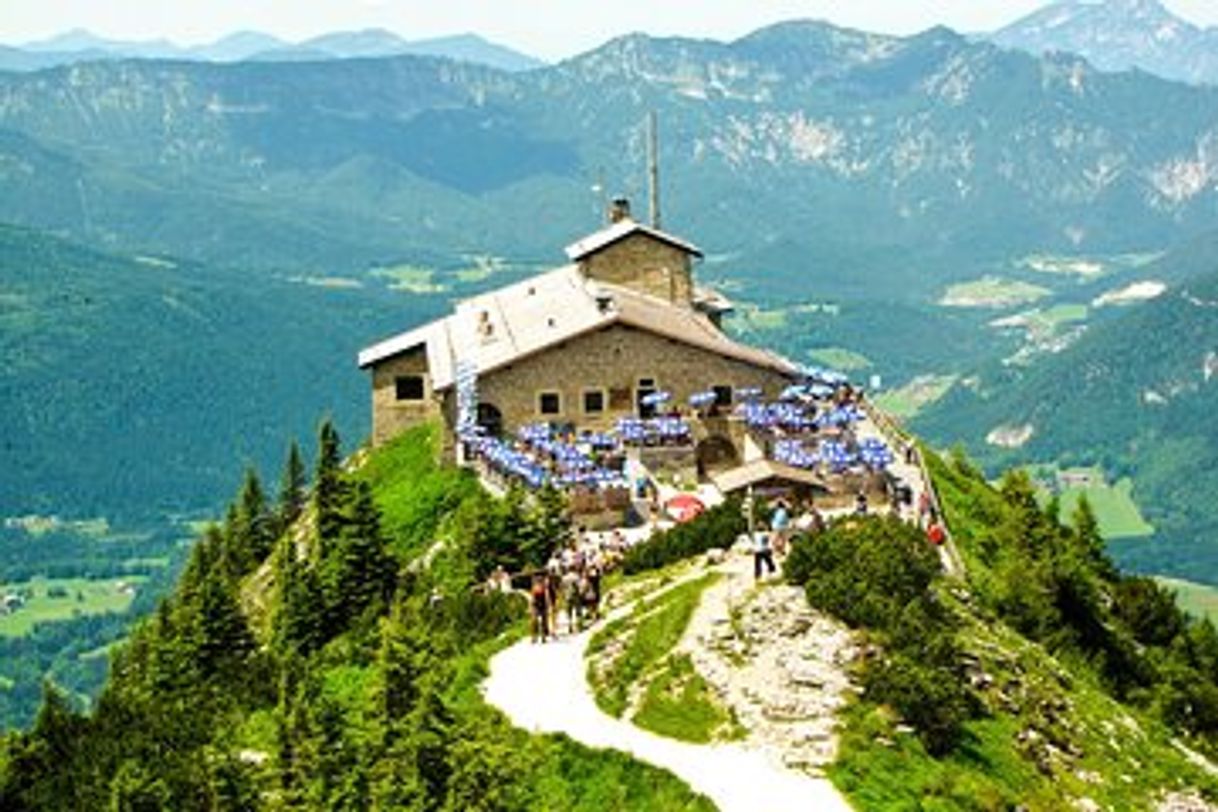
(583, 344)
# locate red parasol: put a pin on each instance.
(684, 507)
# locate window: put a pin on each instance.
(594, 401)
(647, 386)
(619, 398)
(723, 395)
(409, 387)
(549, 403)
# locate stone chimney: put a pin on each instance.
(619, 210)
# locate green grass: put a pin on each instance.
(1114, 507)
(916, 395)
(840, 358)
(1199, 600)
(993, 291)
(654, 629)
(677, 703)
(413, 492)
(409, 278)
(82, 596)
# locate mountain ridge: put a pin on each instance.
(80, 45)
(1119, 35)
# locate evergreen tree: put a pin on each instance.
(135, 788)
(368, 569)
(224, 639)
(403, 658)
(551, 526)
(1090, 541)
(297, 619)
(328, 487)
(254, 526)
(292, 484)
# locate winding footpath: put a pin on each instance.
(544, 689)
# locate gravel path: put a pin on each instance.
(543, 689)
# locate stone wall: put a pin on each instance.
(613, 360)
(643, 263)
(390, 416)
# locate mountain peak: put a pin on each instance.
(1118, 35)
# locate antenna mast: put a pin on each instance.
(653, 169)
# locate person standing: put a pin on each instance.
(572, 597)
(540, 609)
(553, 578)
(763, 555)
(780, 523)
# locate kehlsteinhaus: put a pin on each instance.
(621, 331)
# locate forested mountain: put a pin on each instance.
(1119, 35)
(802, 152)
(1136, 395)
(133, 387)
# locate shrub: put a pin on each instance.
(717, 527)
(877, 574)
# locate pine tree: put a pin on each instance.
(253, 523)
(366, 569)
(136, 789)
(224, 638)
(328, 486)
(551, 526)
(1089, 540)
(404, 657)
(297, 620)
(292, 486)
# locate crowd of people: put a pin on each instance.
(566, 594)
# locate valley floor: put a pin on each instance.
(544, 689)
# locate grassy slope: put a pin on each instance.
(1125, 759)
(415, 495)
(650, 633)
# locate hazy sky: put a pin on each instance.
(551, 29)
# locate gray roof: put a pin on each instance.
(508, 324)
(620, 231)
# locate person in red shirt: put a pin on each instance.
(936, 534)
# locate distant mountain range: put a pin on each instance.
(82, 46)
(1118, 35)
(859, 164)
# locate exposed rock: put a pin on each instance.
(1190, 801)
(780, 667)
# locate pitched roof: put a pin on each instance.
(503, 326)
(620, 231)
(761, 470)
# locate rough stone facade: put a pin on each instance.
(643, 263)
(613, 361)
(391, 416)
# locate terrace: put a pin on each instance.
(622, 476)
